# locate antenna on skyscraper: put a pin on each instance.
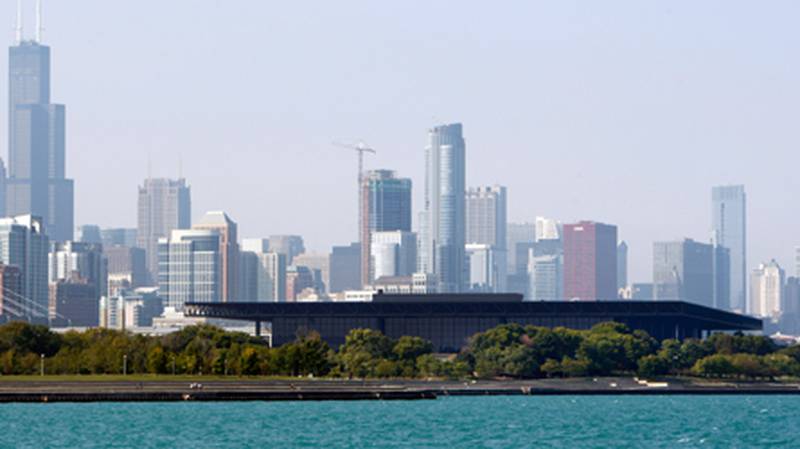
(19, 22)
(39, 24)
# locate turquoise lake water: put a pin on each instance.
(485, 422)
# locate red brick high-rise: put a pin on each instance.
(590, 261)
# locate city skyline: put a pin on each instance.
(582, 177)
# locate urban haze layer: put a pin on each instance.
(140, 278)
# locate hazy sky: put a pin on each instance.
(619, 111)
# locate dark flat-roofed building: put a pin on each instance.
(448, 320)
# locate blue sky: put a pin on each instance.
(619, 111)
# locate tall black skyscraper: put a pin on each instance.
(37, 182)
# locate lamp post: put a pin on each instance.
(41, 364)
(125, 365)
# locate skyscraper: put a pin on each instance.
(190, 268)
(766, 290)
(126, 267)
(37, 182)
(546, 277)
(518, 233)
(487, 224)
(88, 234)
(622, 265)
(590, 261)
(386, 206)
(729, 228)
(288, 245)
(228, 250)
(684, 271)
(318, 263)
(520, 238)
(11, 289)
(24, 244)
(444, 229)
(548, 229)
(84, 260)
(546, 270)
(345, 268)
(486, 268)
(119, 237)
(164, 205)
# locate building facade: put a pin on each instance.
(74, 302)
(126, 266)
(546, 270)
(524, 233)
(190, 267)
(24, 244)
(10, 305)
(164, 205)
(590, 261)
(393, 253)
(345, 268)
(729, 229)
(228, 249)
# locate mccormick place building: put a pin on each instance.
(449, 320)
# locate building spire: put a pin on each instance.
(39, 24)
(18, 28)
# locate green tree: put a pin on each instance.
(156, 360)
(552, 368)
(249, 361)
(361, 352)
(653, 365)
(717, 365)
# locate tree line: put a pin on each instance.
(508, 350)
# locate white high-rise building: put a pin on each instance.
(393, 253)
(487, 224)
(766, 290)
(487, 268)
(23, 243)
(255, 245)
(547, 229)
(190, 267)
(444, 221)
(546, 277)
